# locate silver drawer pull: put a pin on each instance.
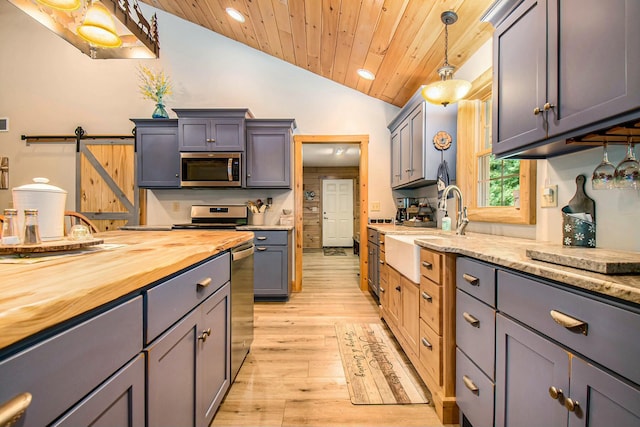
(471, 320)
(12, 410)
(381, 289)
(261, 238)
(571, 323)
(427, 265)
(426, 343)
(261, 248)
(382, 262)
(470, 385)
(427, 297)
(473, 281)
(204, 283)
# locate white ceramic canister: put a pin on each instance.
(50, 202)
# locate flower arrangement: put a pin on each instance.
(154, 85)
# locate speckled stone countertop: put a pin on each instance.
(510, 252)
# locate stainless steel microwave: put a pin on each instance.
(211, 169)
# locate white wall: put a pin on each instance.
(49, 87)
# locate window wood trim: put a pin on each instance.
(469, 133)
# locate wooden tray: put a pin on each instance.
(51, 246)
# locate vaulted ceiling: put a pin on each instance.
(400, 41)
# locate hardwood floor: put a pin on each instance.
(293, 375)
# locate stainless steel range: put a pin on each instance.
(216, 217)
(229, 217)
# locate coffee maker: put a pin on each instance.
(403, 205)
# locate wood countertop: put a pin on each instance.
(510, 252)
(37, 296)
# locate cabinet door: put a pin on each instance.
(395, 291)
(603, 400)
(226, 134)
(415, 167)
(519, 77)
(405, 151)
(395, 158)
(268, 158)
(594, 63)
(410, 314)
(270, 266)
(214, 360)
(158, 157)
(527, 365)
(117, 402)
(194, 134)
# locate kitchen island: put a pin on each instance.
(98, 335)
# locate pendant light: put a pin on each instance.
(447, 90)
(99, 28)
(62, 4)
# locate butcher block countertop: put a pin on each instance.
(36, 296)
(511, 253)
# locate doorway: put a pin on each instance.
(363, 143)
(337, 212)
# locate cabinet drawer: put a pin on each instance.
(430, 311)
(169, 301)
(477, 279)
(431, 265)
(61, 370)
(430, 346)
(611, 332)
(476, 331)
(372, 235)
(270, 237)
(474, 392)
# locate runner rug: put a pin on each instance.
(377, 373)
(334, 252)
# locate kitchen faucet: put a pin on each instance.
(462, 221)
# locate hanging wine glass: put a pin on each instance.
(627, 174)
(604, 173)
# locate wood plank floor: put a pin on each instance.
(293, 375)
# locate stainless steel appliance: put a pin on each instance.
(205, 169)
(229, 217)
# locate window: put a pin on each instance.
(501, 191)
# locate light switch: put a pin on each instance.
(549, 196)
(375, 206)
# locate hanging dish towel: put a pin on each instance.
(442, 180)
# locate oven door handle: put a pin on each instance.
(242, 252)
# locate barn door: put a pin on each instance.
(105, 183)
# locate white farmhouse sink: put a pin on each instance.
(403, 255)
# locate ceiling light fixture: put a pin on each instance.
(98, 27)
(109, 29)
(235, 14)
(366, 74)
(447, 90)
(62, 4)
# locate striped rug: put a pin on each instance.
(377, 373)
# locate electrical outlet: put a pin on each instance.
(175, 206)
(375, 206)
(549, 196)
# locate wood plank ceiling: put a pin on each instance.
(400, 41)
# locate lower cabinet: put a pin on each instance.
(272, 278)
(189, 365)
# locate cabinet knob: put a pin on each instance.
(205, 334)
(177, 176)
(548, 106)
(537, 111)
(571, 405)
(248, 175)
(555, 393)
(398, 288)
(211, 140)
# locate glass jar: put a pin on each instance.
(10, 232)
(31, 230)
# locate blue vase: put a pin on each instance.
(160, 112)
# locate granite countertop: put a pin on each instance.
(264, 227)
(42, 294)
(511, 253)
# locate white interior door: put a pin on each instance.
(337, 209)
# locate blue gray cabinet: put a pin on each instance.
(560, 70)
(373, 268)
(268, 159)
(157, 153)
(209, 129)
(272, 277)
(414, 158)
(83, 358)
(189, 367)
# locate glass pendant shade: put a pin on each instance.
(446, 91)
(99, 28)
(62, 4)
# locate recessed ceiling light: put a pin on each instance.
(235, 14)
(366, 74)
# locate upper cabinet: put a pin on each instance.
(562, 68)
(268, 159)
(209, 129)
(157, 155)
(416, 131)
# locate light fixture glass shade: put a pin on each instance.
(99, 28)
(446, 91)
(62, 4)
(235, 14)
